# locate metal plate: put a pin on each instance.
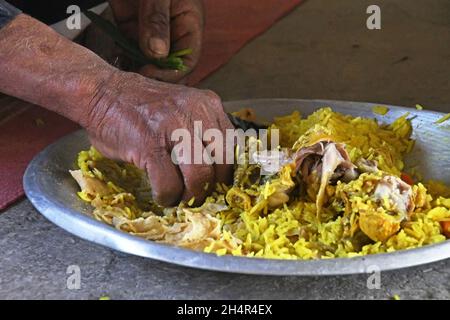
(52, 191)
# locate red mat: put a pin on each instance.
(27, 129)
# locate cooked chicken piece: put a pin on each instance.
(281, 194)
(398, 193)
(324, 161)
(378, 226)
(369, 166)
(277, 199)
(282, 186)
(309, 158)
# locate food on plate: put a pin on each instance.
(338, 188)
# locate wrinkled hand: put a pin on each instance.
(132, 119)
(161, 26)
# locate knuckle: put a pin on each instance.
(155, 149)
(158, 20)
(192, 8)
(212, 102)
(211, 95)
(190, 19)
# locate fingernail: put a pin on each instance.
(158, 46)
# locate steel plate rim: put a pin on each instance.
(77, 223)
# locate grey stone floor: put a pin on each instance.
(35, 256)
(321, 50)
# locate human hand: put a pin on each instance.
(161, 26)
(132, 119)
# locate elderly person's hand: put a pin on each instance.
(134, 120)
(162, 26)
(127, 116)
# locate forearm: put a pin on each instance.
(42, 67)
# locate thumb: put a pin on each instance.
(154, 27)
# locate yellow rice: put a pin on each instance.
(293, 231)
